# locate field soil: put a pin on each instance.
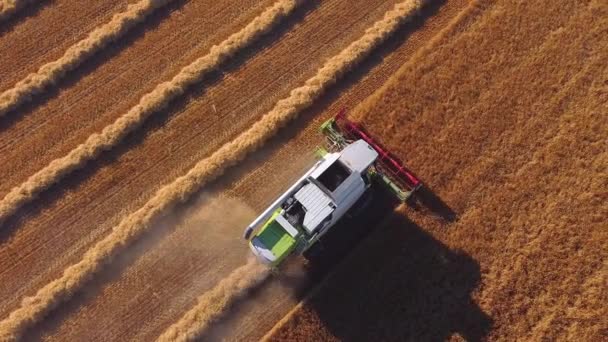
(148, 288)
(504, 119)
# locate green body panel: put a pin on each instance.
(321, 152)
(273, 236)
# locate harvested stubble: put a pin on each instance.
(212, 304)
(74, 277)
(76, 54)
(150, 103)
(34, 308)
(9, 7)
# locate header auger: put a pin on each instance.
(350, 164)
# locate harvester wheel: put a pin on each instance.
(313, 251)
(362, 203)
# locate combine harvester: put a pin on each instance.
(336, 185)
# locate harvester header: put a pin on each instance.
(340, 131)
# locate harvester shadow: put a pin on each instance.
(379, 276)
(89, 65)
(428, 202)
(157, 121)
(348, 233)
(30, 10)
(401, 284)
(297, 276)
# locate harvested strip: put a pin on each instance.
(9, 7)
(148, 104)
(212, 304)
(131, 227)
(52, 72)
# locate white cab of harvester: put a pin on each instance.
(343, 175)
(318, 200)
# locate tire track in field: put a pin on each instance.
(212, 304)
(52, 72)
(148, 104)
(9, 7)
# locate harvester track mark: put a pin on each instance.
(285, 110)
(158, 98)
(34, 308)
(212, 304)
(97, 39)
(9, 7)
